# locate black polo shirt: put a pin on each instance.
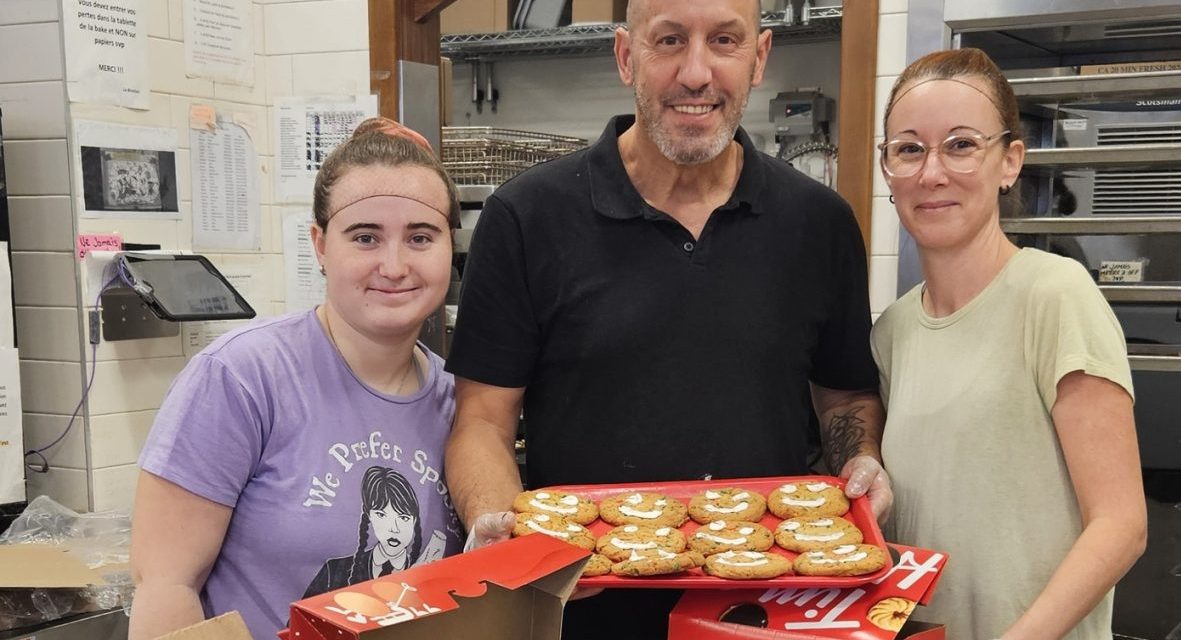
(650, 355)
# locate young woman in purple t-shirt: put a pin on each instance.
(304, 453)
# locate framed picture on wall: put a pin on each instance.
(126, 171)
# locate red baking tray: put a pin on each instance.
(860, 514)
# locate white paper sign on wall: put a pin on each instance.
(106, 47)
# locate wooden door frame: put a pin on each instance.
(400, 30)
(859, 62)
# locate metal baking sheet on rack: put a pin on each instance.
(860, 514)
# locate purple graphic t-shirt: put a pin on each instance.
(331, 482)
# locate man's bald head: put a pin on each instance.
(638, 11)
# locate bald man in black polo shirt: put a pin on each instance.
(669, 304)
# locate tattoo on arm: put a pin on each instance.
(842, 438)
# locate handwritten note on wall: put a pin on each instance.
(98, 242)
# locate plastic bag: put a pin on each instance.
(96, 539)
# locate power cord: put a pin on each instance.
(123, 277)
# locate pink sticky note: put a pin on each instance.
(98, 242)
(203, 116)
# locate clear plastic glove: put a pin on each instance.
(489, 528)
(865, 476)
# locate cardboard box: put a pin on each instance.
(475, 16)
(599, 11)
(227, 626)
(812, 614)
(513, 590)
(63, 577)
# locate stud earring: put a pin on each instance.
(1006, 189)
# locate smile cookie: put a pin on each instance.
(727, 504)
(554, 527)
(747, 565)
(567, 505)
(809, 533)
(598, 565)
(654, 509)
(618, 543)
(891, 613)
(656, 562)
(808, 499)
(722, 535)
(845, 560)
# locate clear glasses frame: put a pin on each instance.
(957, 157)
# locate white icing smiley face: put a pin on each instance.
(727, 501)
(816, 530)
(742, 558)
(844, 554)
(713, 533)
(790, 490)
(542, 523)
(646, 507)
(566, 504)
(656, 553)
(664, 538)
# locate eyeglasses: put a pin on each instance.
(961, 153)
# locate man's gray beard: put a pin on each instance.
(695, 154)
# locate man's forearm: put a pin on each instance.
(482, 472)
(850, 425)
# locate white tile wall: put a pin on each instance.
(254, 93)
(42, 429)
(34, 52)
(882, 87)
(155, 116)
(132, 385)
(883, 282)
(114, 487)
(176, 24)
(41, 223)
(341, 73)
(891, 44)
(68, 487)
(301, 27)
(167, 71)
(116, 439)
(50, 387)
(260, 32)
(48, 333)
(168, 347)
(158, 18)
(184, 171)
(280, 78)
(884, 220)
(34, 109)
(44, 279)
(891, 52)
(36, 167)
(27, 11)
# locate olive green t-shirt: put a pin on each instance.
(969, 443)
